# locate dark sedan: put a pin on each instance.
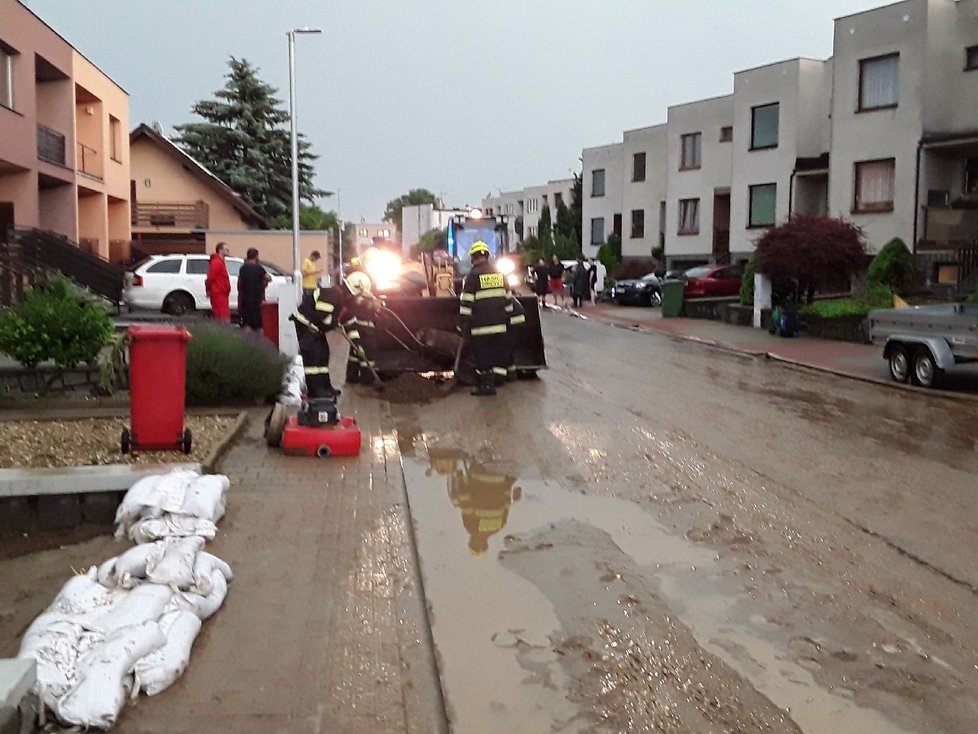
(644, 291)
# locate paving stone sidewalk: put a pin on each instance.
(324, 627)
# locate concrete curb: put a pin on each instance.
(209, 464)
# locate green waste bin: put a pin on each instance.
(672, 298)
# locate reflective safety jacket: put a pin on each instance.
(319, 310)
(486, 302)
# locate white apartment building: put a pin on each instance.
(698, 162)
(884, 133)
(418, 220)
(523, 208)
(602, 195)
(361, 235)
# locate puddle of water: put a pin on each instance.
(492, 628)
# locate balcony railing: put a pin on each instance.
(50, 145)
(171, 214)
(88, 161)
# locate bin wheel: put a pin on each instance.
(186, 443)
(125, 442)
(275, 425)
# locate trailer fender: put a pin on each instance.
(943, 356)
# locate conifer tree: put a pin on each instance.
(245, 141)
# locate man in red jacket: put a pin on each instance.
(218, 283)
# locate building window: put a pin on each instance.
(6, 76)
(726, 133)
(597, 182)
(971, 58)
(879, 81)
(874, 186)
(115, 139)
(638, 224)
(763, 204)
(362, 232)
(638, 167)
(597, 231)
(689, 216)
(616, 225)
(692, 151)
(558, 200)
(971, 176)
(764, 126)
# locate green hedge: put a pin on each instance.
(228, 366)
(871, 297)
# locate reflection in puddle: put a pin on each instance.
(494, 630)
(482, 496)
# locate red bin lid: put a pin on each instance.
(158, 333)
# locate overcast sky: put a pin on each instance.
(461, 98)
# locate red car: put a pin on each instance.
(712, 280)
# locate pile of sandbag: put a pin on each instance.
(293, 383)
(128, 625)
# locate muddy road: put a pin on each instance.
(659, 536)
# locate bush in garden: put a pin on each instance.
(817, 252)
(607, 258)
(872, 296)
(973, 298)
(747, 282)
(892, 266)
(55, 321)
(227, 365)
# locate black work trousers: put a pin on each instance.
(315, 362)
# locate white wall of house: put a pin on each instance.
(878, 132)
(508, 204)
(600, 209)
(643, 190)
(801, 90)
(703, 183)
(951, 90)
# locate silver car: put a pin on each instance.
(174, 283)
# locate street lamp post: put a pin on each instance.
(296, 261)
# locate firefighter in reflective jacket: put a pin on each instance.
(360, 327)
(320, 311)
(485, 306)
(517, 317)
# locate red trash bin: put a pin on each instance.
(157, 387)
(269, 321)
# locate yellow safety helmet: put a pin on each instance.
(357, 283)
(479, 248)
(355, 262)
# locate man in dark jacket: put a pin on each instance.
(485, 306)
(252, 280)
(580, 285)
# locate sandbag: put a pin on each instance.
(143, 604)
(105, 676)
(151, 496)
(52, 641)
(127, 569)
(81, 594)
(172, 561)
(203, 605)
(171, 526)
(204, 497)
(159, 670)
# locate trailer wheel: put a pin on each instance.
(926, 373)
(899, 363)
(187, 442)
(125, 441)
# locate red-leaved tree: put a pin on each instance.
(817, 252)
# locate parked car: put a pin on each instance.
(174, 283)
(644, 291)
(712, 280)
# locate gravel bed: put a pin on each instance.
(94, 441)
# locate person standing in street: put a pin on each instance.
(593, 280)
(217, 284)
(555, 271)
(311, 271)
(541, 281)
(483, 314)
(580, 284)
(252, 280)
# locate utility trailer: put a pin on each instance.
(921, 343)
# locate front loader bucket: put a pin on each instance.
(422, 337)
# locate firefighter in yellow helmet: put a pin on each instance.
(485, 306)
(320, 311)
(360, 327)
